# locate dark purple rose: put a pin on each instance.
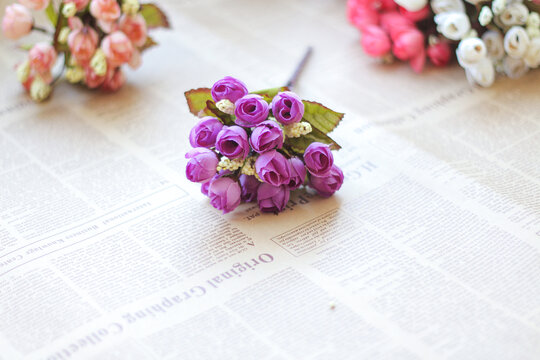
(266, 136)
(251, 110)
(204, 133)
(201, 165)
(232, 141)
(287, 107)
(249, 185)
(228, 88)
(329, 184)
(272, 198)
(298, 173)
(224, 194)
(273, 168)
(318, 158)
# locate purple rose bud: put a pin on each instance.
(298, 173)
(287, 107)
(232, 141)
(204, 186)
(266, 136)
(272, 198)
(251, 110)
(204, 133)
(201, 165)
(228, 88)
(249, 185)
(224, 194)
(273, 168)
(329, 184)
(318, 158)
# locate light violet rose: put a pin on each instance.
(134, 26)
(439, 53)
(251, 110)
(494, 44)
(481, 73)
(117, 48)
(516, 42)
(224, 194)
(416, 16)
(273, 168)
(201, 165)
(106, 10)
(79, 4)
(228, 88)
(318, 159)
(514, 14)
(375, 41)
(205, 132)
(412, 5)
(532, 58)
(91, 79)
(82, 43)
(249, 185)
(114, 79)
(206, 185)
(287, 107)
(17, 21)
(446, 6)
(470, 51)
(326, 186)
(453, 25)
(514, 68)
(37, 5)
(298, 173)
(272, 198)
(232, 141)
(42, 57)
(266, 136)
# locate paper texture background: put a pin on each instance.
(429, 251)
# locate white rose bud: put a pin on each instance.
(485, 16)
(75, 74)
(494, 44)
(533, 32)
(514, 14)
(471, 51)
(498, 6)
(532, 58)
(63, 35)
(412, 5)
(533, 20)
(445, 6)
(69, 9)
(453, 25)
(514, 68)
(474, 2)
(482, 73)
(516, 42)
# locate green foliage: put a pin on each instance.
(196, 99)
(154, 16)
(268, 94)
(300, 144)
(321, 117)
(51, 14)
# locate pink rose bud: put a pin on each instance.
(394, 24)
(272, 198)
(79, 4)
(418, 61)
(136, 59)
(375, 41)
(318, 158)
(117, 48)
(408, 44)
(201, 165)
(224, 194)
(273, 168)
(205, 132)
(75, 23)
(365, 16)
(114, 79)
(329, 184)
(440, 53)
(82, 43)
(298, 173)
(42, 57)
(249, 185)
(416, 16)
(134, 26)
(17, 21)
(93, 80)
(35, 4)
(106, 10)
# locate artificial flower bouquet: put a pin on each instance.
(488, 37)
(259, 146)
(94, 37)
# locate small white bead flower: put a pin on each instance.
(228, 164)
(226, 106)
(297, 129)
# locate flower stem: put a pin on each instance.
(301, 65)
(40, 29)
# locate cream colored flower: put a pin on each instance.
(226, 106)
(514, 68)
(23, 71)
(454, 25)
(482, 73)
(514, 14)
(39, 90)
(532, 58)
(69, 9)
(485, 16)
(498, 6)
(471, 51)
(75, 74)
(516, 42)
(412, 5)
(445, 6)
(494, 44)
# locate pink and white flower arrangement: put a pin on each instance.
(94, 39)
(259, 146)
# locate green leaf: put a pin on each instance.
(300, 144)
(154, 16)
(225, 118)
(268, 94)
(51, 14)
(148, 44)
(26, 47)
(196, 100)
(321, 117)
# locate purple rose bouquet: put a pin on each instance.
(259, 146)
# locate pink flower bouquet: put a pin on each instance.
(94, 37)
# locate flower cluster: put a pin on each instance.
(489, 37)
(253, 146)
(94, 37)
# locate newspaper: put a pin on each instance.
(429, 251)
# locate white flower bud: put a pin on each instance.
(69, 9)
(532, 58)
(494, 44)
(130, 7)
(516, 42)
(514, 68)
(39, 90)
(226, 106)
(74, 74)
(470, 52)
(482, 73)
(453, 25)
(485, 16)
(533, 20)
(23, 71)
(498, 6)
(474, 2)
(533, 32)
(514, 14)
(412, 5)
(98, 63)
(445, 6)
